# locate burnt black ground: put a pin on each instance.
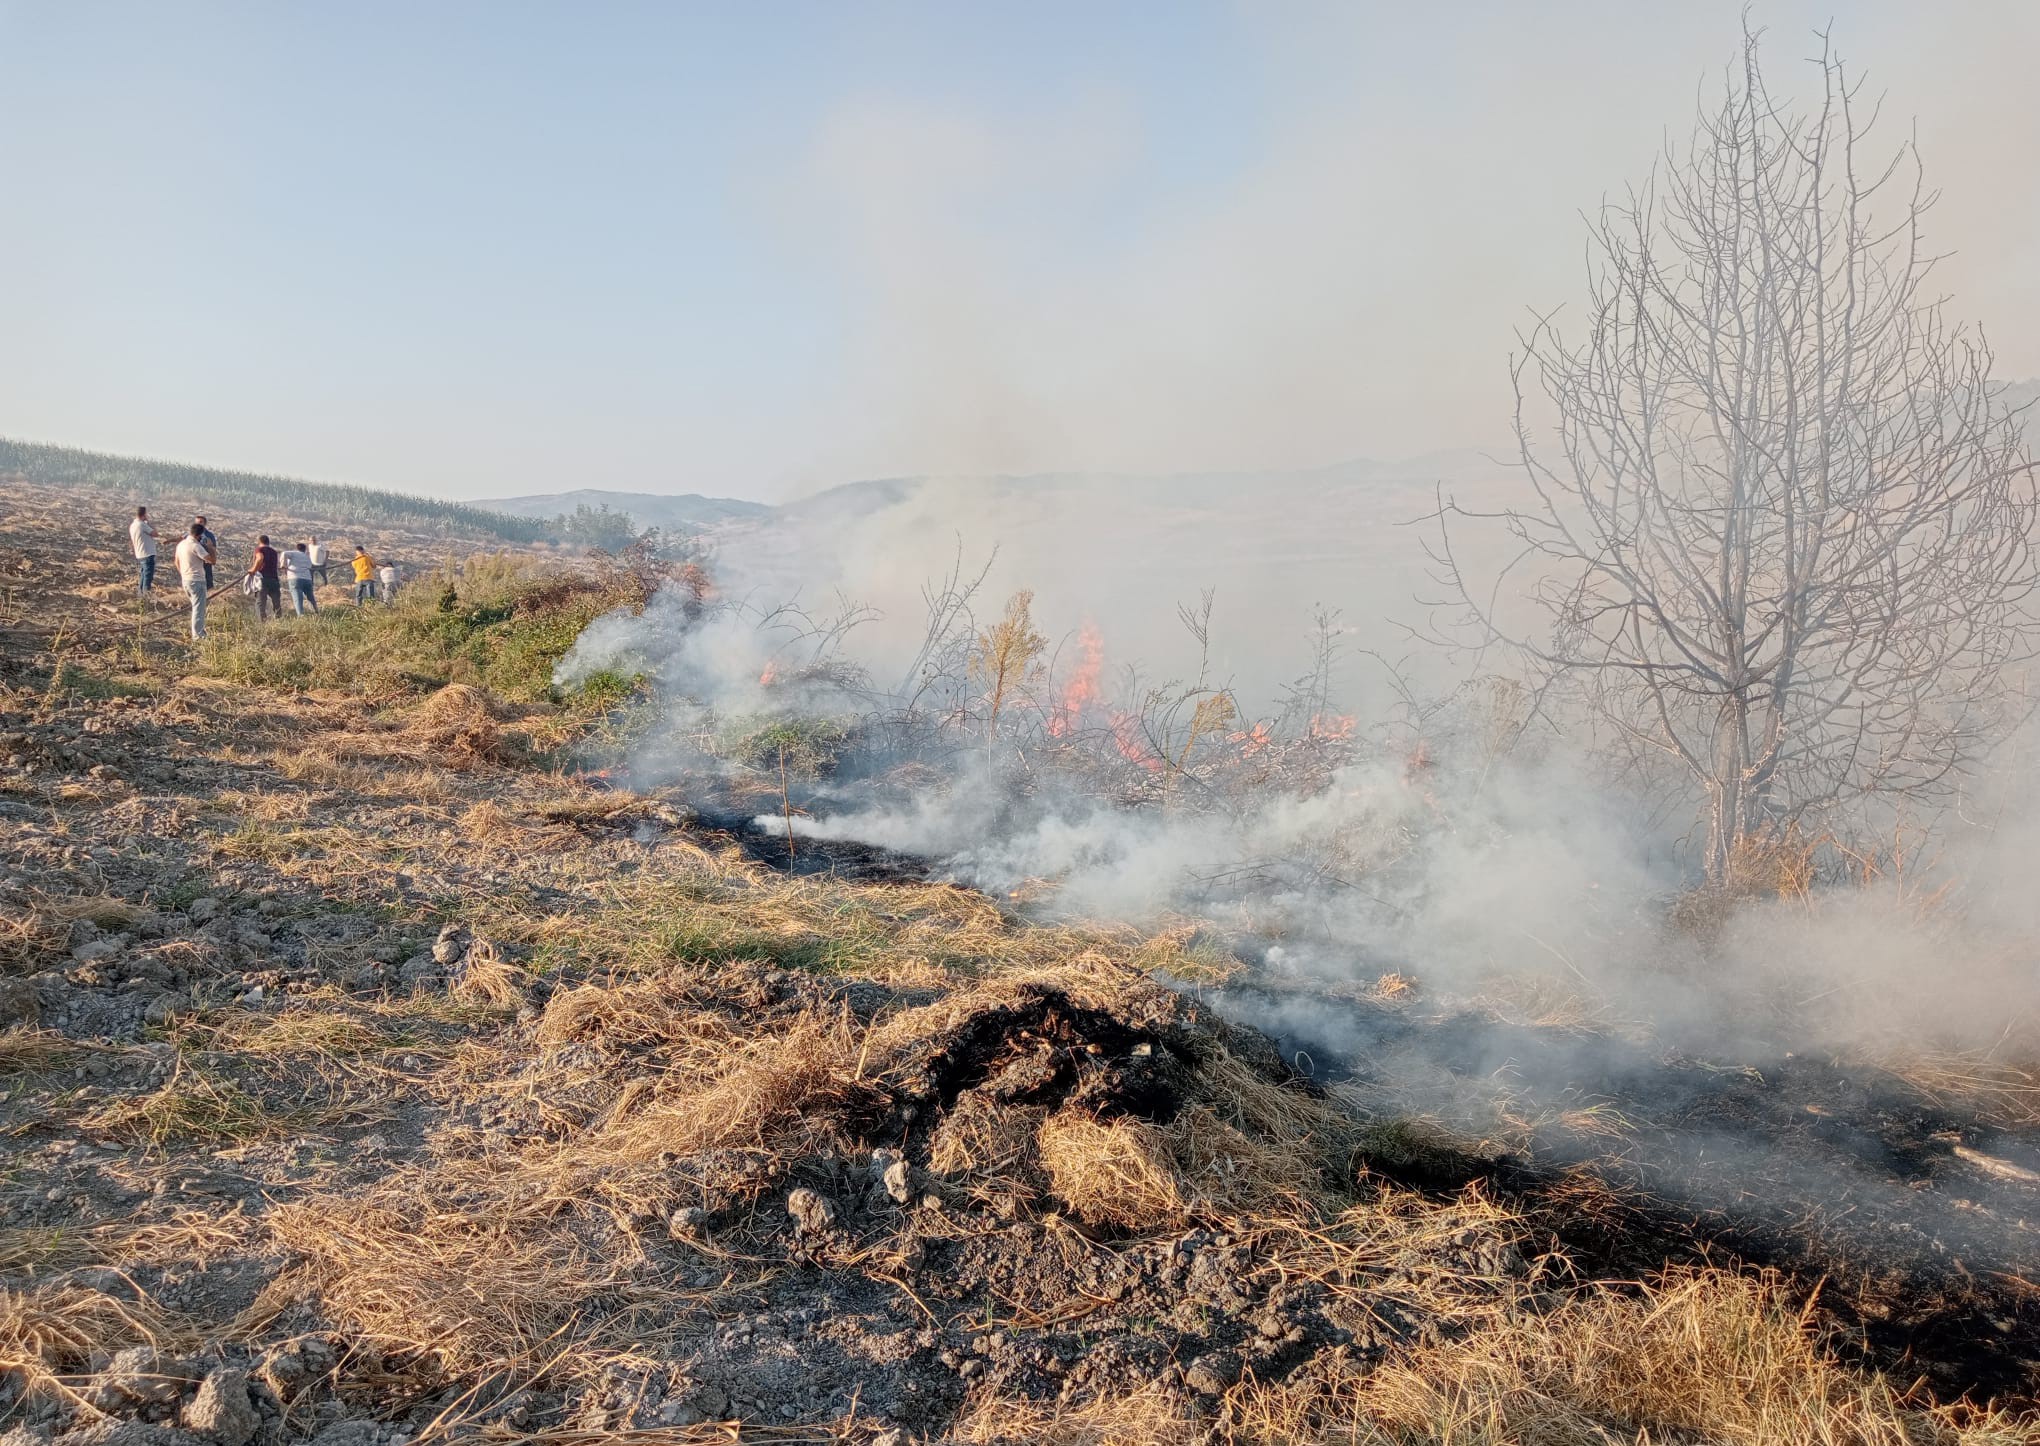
(1847, 1179)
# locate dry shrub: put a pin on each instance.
(1699, 1355)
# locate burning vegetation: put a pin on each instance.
(606, 1007)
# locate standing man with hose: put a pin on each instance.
(316, 551)
(269, 599)
(194, 564)
(364, 577)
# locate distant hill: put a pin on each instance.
(687, 513)
(145, 480)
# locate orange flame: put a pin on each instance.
(1332, 727)
(766, 678)
(1252, 740)
(1126, 738)
(1082, 689)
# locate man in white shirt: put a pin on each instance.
(387, 576)
(142, 538)
(297, 566)
(316, 551)
(193, 559)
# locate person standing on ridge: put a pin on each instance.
(298, 563)
(387, 576)
(364, 576)
(194, 561)
(316, 551)
(212, 547)
(142, 538)
(269, 600)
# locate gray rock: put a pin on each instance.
(222, 1408)
(127, 1433)
(134, 1377)
(689, 1222)
(203, 911)
(899, 1182)
(711, 1401)
(163, 1006)
(453, 943)
(1213, 1374)
(97, 950)
(812, 1211)
(349, 1433)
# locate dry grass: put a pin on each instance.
(475, 1290)
(51, 1332)
(1695, 1356)
(488, 980)
(1148, 1417)
(32, 934)
(787, 1092)
(1130, 1175)
(1701, 1357)
(40, 1051)
(2006, 1095)
(986, 1145)
(1120, 1174)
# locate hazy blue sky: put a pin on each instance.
(758, 248)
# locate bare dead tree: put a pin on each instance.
(1782, 518)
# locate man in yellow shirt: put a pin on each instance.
(364, 576)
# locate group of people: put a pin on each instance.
(302, 564)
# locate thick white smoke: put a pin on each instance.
(1470, 860)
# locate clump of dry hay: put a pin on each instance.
(981, 1141)
(459, 725)
(1130, 1175)
(795, 1090)
(32, 933)
(488, 979)
(1117, 1174)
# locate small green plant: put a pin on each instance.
(810, 746)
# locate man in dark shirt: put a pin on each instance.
(269, 602)
(212, 545)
